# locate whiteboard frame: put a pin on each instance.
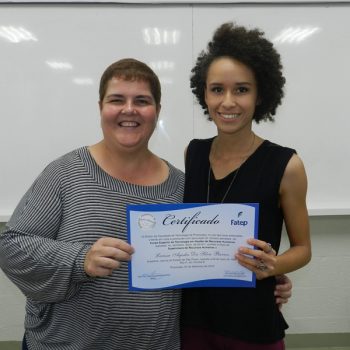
(174, 2)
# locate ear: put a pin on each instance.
(158, 110)
(258, 101)
(100, 105)
(206, 103)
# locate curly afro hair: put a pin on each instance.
(252, 49)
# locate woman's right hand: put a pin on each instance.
(283, 290)
(106, 255)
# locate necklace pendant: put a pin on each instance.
(228, 188)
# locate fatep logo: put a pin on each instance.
(239, 221)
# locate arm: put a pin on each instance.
(283, 290)
(43, 268)
(32, 264)
(293, 203)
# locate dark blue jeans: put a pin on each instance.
(24, 343)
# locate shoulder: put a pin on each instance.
(59, 170)
(294, 164)
(175, 172)
(199, 144)
(46, 188)
(295, 169)
(294, 180)
(278, 155)
(273, 159)
(65, 162)
(278, 149)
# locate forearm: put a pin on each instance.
(263, 260)
(44, 270)
(293, 259)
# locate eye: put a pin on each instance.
(216, 89)
(242, 90)
(115, 100)
(143, 101)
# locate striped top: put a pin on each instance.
(71, 205)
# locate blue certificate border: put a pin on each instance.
(198, 283)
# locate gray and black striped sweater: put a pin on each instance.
(42, 250)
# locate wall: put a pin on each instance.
(320, 301)
(37, 122)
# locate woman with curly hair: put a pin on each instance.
(236, 80)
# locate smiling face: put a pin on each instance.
(128, 114)
(231, 95)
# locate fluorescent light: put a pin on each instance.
(162, 65)
(83, 81)
(165, 80)
(295, 34)
(16, 34)
(156, 36)
(59, 65)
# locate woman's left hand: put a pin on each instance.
(261, 261)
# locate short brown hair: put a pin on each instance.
(131, 69)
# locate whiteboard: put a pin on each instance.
(52, 56)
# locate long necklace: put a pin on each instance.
(233, 178)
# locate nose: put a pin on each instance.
(129, 108)
(229, 99)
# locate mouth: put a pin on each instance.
(128, 124)
(230, 116)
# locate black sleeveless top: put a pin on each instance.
(250, 314)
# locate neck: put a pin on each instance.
(140, 167)
(228, 154)
(228, 147)
(123, 157)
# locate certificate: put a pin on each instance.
(189, 245)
